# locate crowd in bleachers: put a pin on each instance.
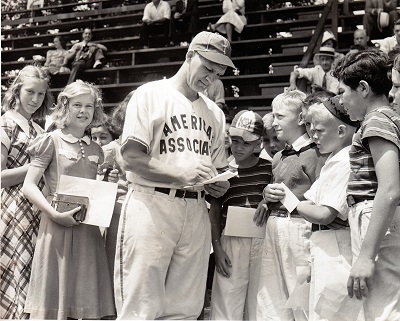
(305, 228)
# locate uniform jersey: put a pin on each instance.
(173, 129)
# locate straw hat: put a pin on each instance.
(383, 20)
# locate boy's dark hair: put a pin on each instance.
(357, 47)
(317, 97)
(371, 66)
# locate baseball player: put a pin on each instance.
(172, 141)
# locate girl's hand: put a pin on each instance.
(112, 175)
(66, 218)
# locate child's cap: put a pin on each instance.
(248, 125)
(336, 108)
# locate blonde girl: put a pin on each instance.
(27, 99)
(70, 275)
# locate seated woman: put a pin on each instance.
(55, 58)
(233, 18)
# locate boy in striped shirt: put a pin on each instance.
(237, 259)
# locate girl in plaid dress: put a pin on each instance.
(27, 98)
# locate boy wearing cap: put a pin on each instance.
(326, 207)
(286, 244)
(320, 75)
(174, 140)
(237, 259)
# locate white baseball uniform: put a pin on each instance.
(164, 241)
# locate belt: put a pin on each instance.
(352, 199)
(284, 213)
(180, 193)
(319, 227)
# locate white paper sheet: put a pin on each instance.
(221, 177)
(290, 201)
(239, 222)
(101, 196)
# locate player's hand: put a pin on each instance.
(360, 278)
(291, 88)
(273, 193)
(261, 215)
(177, 15)
(222, 262)
(66, 218)
(198, 173)
(217, 189)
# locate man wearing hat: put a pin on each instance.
(173, 140)
(379, 18)
(329, 40)
(320, 75)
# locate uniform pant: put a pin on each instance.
(162, 253)
(286, 246)
(383, 302)
(236, 296)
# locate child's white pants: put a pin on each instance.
(286, 247)
(236, 297)
(383, 302)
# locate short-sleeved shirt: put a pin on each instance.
(388, 44)
(363, 180)
(163, 10)
(330, 188)
(173, 129)
(70, 160)
(315, 75)
(246, 189)
(82, 50)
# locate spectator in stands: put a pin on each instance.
(216, 93)
(185, 19)
(361, 38)
(373, 15)
(156, 20)
(329, 40)
(55, 58)
(389, 43)
(320, 76)
(86, 54)
(232, 19)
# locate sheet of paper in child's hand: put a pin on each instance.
(239, 222)
(221, 177)
(290, 201)
(101, 196)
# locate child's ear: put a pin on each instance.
(364, 87)
(301, 121)
(342, 130)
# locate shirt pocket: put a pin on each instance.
(69, 154)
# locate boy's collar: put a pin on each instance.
(302, 141)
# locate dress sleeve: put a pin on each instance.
(41, 150)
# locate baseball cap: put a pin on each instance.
(213, 47)
(336, 108)
(248, 125)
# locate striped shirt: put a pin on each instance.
(380, 122)
(247, 187)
